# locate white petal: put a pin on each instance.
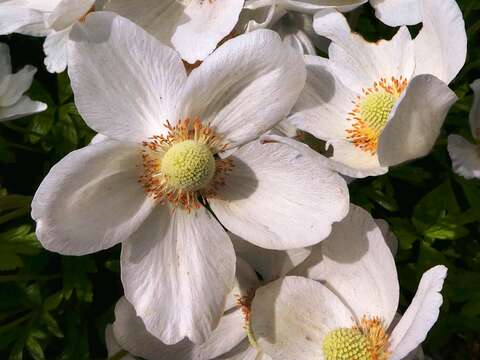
(125, 82)
(398, 12)
(354, 162)
(474, 116)
(413, 127)
(312, 6)
(270, 264)
(390, 238)
(291, 316)
(179, 261)
(359, 63)
(203, 25)
(112, 345)
(441, 45)
(243, 351)
(278, 199)
(465, 157)
(67, 13)
(24, 107)
(14, 18)
(5, 64)
(246, 86)
(158, 18)
(323, 106)
(17, 84)
(346, 160)
(357, 265)
(56, 50)
(91, 199)
(132, 335)
(420, 316)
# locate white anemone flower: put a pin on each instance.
(193, 27)
(292, 20)
(13, 103)
(51, 18)
(465, 155)
(165, 157)
(368, 100)
(346, 307)
(232, 338)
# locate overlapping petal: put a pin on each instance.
(126, 83)
(91, 199)
(275, 208)
(246, 87)
(182, 261)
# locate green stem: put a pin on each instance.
(14, 214)
(15, 322)
(10, 278)
(22, 147)
(22, 130)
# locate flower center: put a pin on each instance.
(366, 341)
(188, 165)
(181, 167)
(371, 112)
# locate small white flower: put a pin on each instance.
(166, 136)
(465, 155)
(193, 27)
(346, 307)
(368, 100)
(53, 19)
(13, 104)
(232, 338)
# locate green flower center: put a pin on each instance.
(346, 344)
(376, 108)
(188, 166)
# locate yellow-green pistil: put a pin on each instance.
(346, 344)
(188, 165)
(371, 112)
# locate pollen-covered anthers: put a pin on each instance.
(181, 168)
(377, 338)
(245, 303)
(371, 112)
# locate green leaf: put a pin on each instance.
(52, 325)
(35, 349)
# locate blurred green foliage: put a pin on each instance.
(56, 307)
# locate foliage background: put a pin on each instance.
(57, 307)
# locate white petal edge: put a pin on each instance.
(413, 128)
(465, 157)
(278, 199)
(24, 107)
(398, 12)
(420, 316)
(474, 116)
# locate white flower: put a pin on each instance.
(368, 99)
(292, 20)
(113, 347)
(53, 19)
(346, 311)
(166, 136)
(230, 340)
(465, 155)
(13, 104)
(193, 27)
